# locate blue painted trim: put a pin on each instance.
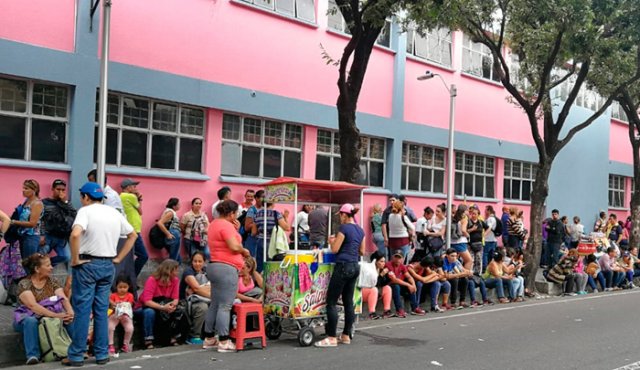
(86, 42)
(157, 173)
(35, 165)
(620, 168)
(242, 180)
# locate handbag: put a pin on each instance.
(278, 243)
(476, 247)
(435, 244)
(368, 275)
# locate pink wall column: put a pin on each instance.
(499, 178)
(310, 147)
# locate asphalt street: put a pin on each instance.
(597, 332)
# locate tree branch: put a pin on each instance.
(573, 94)
(548, 66)
(570, 73)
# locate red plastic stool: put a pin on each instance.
(250, 324)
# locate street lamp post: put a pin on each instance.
(453, 92)
(104, 91)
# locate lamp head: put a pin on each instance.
(426, 76)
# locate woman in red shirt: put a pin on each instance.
(227, 258)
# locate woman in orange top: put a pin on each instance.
(227, 258)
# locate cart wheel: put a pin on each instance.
(273, 329)
(306, 336)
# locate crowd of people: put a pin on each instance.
(224, 261)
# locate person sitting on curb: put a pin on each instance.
(402, 283)
(612, 272)
(495, 276)
(382, 288)
(626, 262)
(593, 272)
(425, 274)
(562, 273)
(457, 276)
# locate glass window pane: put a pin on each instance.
(438, 181)
(134, 149)
(377, 149)
(414, 154)
(324, 141)
(468, 184)
(165, 117)
(526, 190)
(190, 155)
(112, 145)
(231, 159)
(292, 164)
(113, 108)
(479, 164)
(459, 161)
(479, 186)
(438, 158)
(250, 161)
(336, 143)
(468, 163)
(489, 189)
(192, 121)
(48, 141)
(506, 189)
(13, 95)
(293, 136)
(285, 6)
(425, 182)
(135, 112)
(273, 133)
(49, 100)
(364, 147)
(489, 166)
(376, 174)
(323, 167)
(414, 178)
(230, 127)
(252, 130)
(458, 184)
(272, 166)
(12, 137)
(515, 189)
(163, 152)
(336, 169)
(305, 10)
(403, 179)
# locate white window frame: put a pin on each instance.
(294, 12)
(442, 37)
(475, 50)
(337, 23)
(262, 145)
(424, 155)
(518, 172)
(617, 190)
(462, 169)
(150, 131)
(366, 158)
(29, 116)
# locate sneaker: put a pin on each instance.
(632, 286)
(582, 292)
(608, 289)
(210, 343)
(437, 309)
(33, 360)
(418, 311)
(374, 316)
(488, 302)
(401, 314)
(195, 340)
(595, 291)
(387, 314)
(126, 348)
(476, 304)
(229, 346)
(112, 350)
(462, 305)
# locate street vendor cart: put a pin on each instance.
(295, 291)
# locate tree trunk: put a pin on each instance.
(349, 141)
(534, 244)
(634, 235)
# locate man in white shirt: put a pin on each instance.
(224, 193)
(94, 240)
(111, 197)
(490, 240)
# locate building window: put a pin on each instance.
(371, 163)
(256, 147)
(337, 23)
(477, 60)
(302, 9)
(33, 120)
(434, 45)
(152, 134)
(422, 168)
(618, 113)
(616, 191)
(474, 176)
(518, 180)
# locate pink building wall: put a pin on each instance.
(256, 57)
(619, 145)
(39, 22)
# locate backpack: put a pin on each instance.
(497, 231)
(156, 237)
(54, 339)
(58, 218)
(244, 233)
(455, 230)
(199, 231)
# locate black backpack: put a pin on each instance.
(58, 218)
(244, 233)
(498, 229)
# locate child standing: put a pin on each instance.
(121, 302)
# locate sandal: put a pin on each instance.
(344, 340)
(174, 342)
(148, 344)
(325, 343)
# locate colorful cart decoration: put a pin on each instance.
(287, 305)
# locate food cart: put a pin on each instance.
(287, 307)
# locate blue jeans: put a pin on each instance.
(173, 245)
(396, 294)
(489, 249)
(148, 321)
(553, 250)
(260, 253)
(497, 284)
(592, 283)
(29, 244)
(60, 246)
(192, 247)
(378, 240)
(91, 285)
(29, 329)
(435, 288)
(140, 251)
(342, 284)
(252, 245)
(472, 289)
(510, 284)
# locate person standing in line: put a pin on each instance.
(249, 197)
(94, 241)
(601, 223)
(29, 218)
(131, 202)
(318, 220)
(490, 240)
(169, 223)
(195, 225)
(250, 220)
(111, 197)
(555, 233)
(224, 193)
(576, 230)
(57, 221)
(348, 246)
(302, 222)
(376, 229)
(385, 218)
(504, 219)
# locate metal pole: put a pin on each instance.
(104, 93)
(453, 92)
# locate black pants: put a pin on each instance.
(458, 285)
(342, 283)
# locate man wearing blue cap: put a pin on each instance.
(94, 241)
